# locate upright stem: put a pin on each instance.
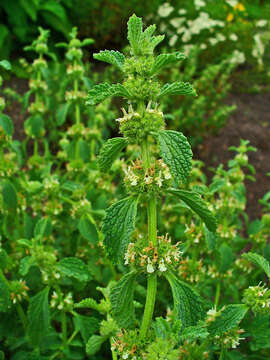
(217, 293)
(77, 106)
(152, 239)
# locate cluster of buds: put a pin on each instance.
(226, 232)
(76, 166)
(2, 103)
(213, 273)
(127, 345)
(38, 84)
(189, 350)
(51, 184)
(244, 265)
(39, 63)
(191, 270)
(62, 303)
(193, 233)
(37, 107)
(258, 299)
(229, 339)
(73, 95)
(52, 207)
(153, 258)
(137, 126)
(139, 180)
(75, 69)
(4, 138)
(80, 208)
(10, 166)
(18, 291)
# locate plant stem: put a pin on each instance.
(21, 315)
(152, 239)
(77, 106)
(217, 293)
(36, 147)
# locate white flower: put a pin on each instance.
(232, 3)
(182, 11)
(221, 37)
(177, 22)
(173, 40)
(213, 41)
(125, 355)
(199, 3)
(149, 268)
(261, 23)
(238, 57)
(233, 37)
(165, 9)
(162, 267)
(203, 46)
(186, 37)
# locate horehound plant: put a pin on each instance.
(161, 169)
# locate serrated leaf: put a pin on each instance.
(94, 344)
(121, 298)
(164, 60)
(74, 268)
(118, 226)
(187, 303)
(177, 88)
(5, 64)
(87, 303)
(112, 57)
(258, 260)
(229, 318)
(86, 325)
(25, 265)
(192, 333)
(38, 316)
(176, 153)
(61, 113)
(197, 204)
(9, 195)
(88, 230)
(43, 228)
(4, 293)
(109, 152)
(100, 92)
(135, 32)
(6, 124)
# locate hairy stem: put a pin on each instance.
(152, 239)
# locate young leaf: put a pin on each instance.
(5, 64)
(177, 88)
(118, 226)
(211, 239)
(94, 344)
(88, 229)
(197, 204)
(43, 228)
(135, 32)
(112, 57)
(187, 303)
(6, 124)
(38, 316)
(61, 113)
(176, 153)
(4, 293)
(74, 268)
(228, 319)
(164, 60)
(9, 195)
(121, 298)
(192, 333)
(258, 260)
(86, 325)
(109, 152)
(100, 92)
(26, 264)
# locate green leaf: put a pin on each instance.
(112, 57)
(61, 113)
(164, 60)
(135, 32)
(6, 65)
(100, 92)
(94, 344)
(25, 265)
(192, 333)
(6, 124)
(30, 7)
(118, 226)
(34, 126)
(121, 298)
(86, 325)
(74, 268)
(88, 230)
(4, 293)
(227, 319)
(197, 204)
(9, 195)
(176, 153)
(211, 239)
(258, 260)
(177, 88)
(187, 303)
(38, 316)
(109, 152)
(43, 228)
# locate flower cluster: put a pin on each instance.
(153, 258)
(189, 350)
(191, 270)
(62, 303)
(128, 345)
(18, 290)
(155, 179)
(229, 339)
(80, 208)
(136, 127)
(258, 298)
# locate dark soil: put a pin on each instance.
(251, 121)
